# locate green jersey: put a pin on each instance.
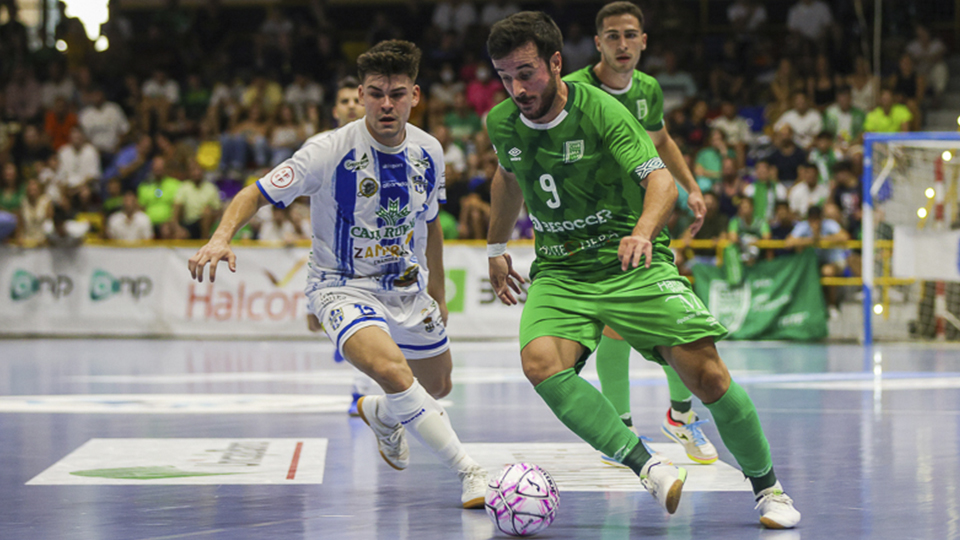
(580, 176)
(642, 97)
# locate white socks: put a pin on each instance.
(429, 423)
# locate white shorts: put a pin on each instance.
(412, 320)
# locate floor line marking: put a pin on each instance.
(293, 464)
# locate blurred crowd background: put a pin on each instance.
(150, 138)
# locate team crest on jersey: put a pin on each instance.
(641, 108)
(336, 319)
(354, 166)
(572, 151)
(423, 163)
(393, 214)
(419, 184)
(515, 154)
(368, 188)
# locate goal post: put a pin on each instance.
(910, 183)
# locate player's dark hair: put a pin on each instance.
(348, 82)
(536, 27)
(388, 58)
(618, 8)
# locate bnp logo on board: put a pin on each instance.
(103, 285)
(25, 285)
(393, 215)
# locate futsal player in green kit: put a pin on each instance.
(599, 196)
(620, 40)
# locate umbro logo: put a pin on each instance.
(515, 154)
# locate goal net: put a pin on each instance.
(911, 236)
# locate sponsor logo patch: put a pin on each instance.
(368, 187)
(572, 151)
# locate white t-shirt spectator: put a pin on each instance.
(802, 197)
(751, 21)
(926, 57)
(104, 126)
(133, 228)
(735, 130)
(454, 158)
(493, 12)
(677, 88)
(300, 96)
(169, 90)
(77, 167)
(51, 90)
(270, 231)
(805, 126)
(447, 16)
(809, 20)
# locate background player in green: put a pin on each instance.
(583, 165)
(620, 39)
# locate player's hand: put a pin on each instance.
(698, 206)
(444, 313)
(503, 278)
(213, 252)
(632, 248)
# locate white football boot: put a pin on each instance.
(392, 440)
(664, 481)
(473, 483)
(776, 508)
(689, 435)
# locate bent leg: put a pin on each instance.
(434, 373)
(549, 364)
(613, 369)
(700, 367)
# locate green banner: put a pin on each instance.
(778, 299)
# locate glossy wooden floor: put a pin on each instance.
(867, 443)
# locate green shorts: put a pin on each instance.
(646, 314)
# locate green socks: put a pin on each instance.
(613, 368)
(739, 427)
(680, 395)
(584, 410)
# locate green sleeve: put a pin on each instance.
(764, 228)
(494, 121)
(733, 227)
(654, 119)
(627, 140)
(858, 120)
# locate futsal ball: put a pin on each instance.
(522, 500)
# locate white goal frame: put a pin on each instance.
(871, 188)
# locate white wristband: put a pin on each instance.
(496, 250)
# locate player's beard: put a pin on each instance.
(547, 98)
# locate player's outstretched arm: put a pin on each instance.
(241, 209)
(506, 200)
(658, 204)
(436, 286)
(673, 158)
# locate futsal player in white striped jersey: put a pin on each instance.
(375, 276)
(346, 109)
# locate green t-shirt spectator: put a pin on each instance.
(879, 121)
(195, 199)
(710, 159)
(449, 225)
(462, 128)
(845, 125)
(10, 202)
(756, 230)
(157, 198)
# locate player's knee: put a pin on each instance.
(438, 387)
(538, 368)
(393, 376)
(713, 380)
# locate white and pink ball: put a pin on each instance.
(522, 500)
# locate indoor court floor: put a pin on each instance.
(149, 440)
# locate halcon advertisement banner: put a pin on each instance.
(148, 291)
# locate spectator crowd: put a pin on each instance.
(151, 137)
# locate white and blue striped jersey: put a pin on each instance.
(369, 205)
